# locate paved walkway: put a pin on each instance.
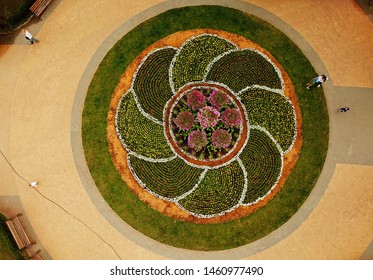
(41, 97)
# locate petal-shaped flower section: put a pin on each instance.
(152, 84)
(138, 133)
(167, 179)
(195, 55)
(220, 190)
(263, 163)
(272, 111)
(242, 68)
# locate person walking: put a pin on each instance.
(344, 109)
(317, 81)
(33, 184)
(28, 36)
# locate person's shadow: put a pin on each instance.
(36, 41)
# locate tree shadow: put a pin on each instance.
(33, 25)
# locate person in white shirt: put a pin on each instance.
(34, 184)
(317, 81)
(28, 36)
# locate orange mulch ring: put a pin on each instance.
(119, 154)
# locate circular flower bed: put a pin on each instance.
(192, 135)
(134, 203)
(205, 123)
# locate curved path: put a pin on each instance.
(42, 89)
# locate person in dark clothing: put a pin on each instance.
(343, 109)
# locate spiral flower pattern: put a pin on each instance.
(215, 151)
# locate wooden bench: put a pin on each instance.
(39, 6)
(35, 256)
(19, 233)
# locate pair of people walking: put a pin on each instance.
(317, 81)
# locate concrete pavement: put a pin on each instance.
(42, 94)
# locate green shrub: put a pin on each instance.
(13, 13)
(8, 247)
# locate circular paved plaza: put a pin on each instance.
(43, 88)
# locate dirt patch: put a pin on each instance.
(119, 154)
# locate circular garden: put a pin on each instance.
(199, 133)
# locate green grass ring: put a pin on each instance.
(183, 234)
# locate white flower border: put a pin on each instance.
(205, 168)
(202, 176)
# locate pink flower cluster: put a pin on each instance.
(208, 117)
(196, 100)
(218, 99)
(197, 140)
(231, 117)
(184, 120)
(207, 120)
(221, 139)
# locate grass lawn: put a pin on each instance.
(8, 247)
(13, 13)
(214, 236)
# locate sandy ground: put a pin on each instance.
(39, 86)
